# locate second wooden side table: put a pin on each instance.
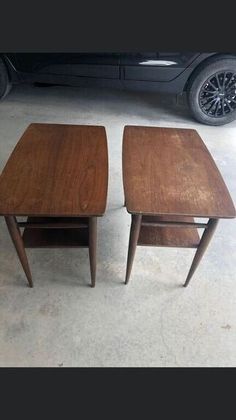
(169, 179)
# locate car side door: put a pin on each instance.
(72, 68)
(154, 66)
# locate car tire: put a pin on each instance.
(5, 84)
(211, 92)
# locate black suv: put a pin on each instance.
(209, 79)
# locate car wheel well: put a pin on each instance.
(204, 63)
(6, 64)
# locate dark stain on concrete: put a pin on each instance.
(226, 327)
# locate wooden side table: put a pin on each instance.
(57, 177)
(169, 179)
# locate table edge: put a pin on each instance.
(212, 216)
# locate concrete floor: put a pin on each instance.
(151, 322)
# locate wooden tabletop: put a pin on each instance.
(169, 171)
(56, 170)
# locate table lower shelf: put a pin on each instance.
(180, 237)
(56, 237)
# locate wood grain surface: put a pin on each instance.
(55, 238)
(169, 171)
(180, 237)
(56, 170)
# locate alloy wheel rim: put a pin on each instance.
(217, 97)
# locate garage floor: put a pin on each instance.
(151, 322)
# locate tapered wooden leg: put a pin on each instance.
(133, 239)
(19, 245)
(93, 248)
(204, 242)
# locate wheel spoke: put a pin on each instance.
(227, 103)
(231, 90)
(215, 88)
(218, 81)
(212, 105)
(222, 106)
(208, 93)
(207, 90)
(223, 84)
(208, 101)
(210, 96)
(231, 87)
(217, 107)
(232, 76)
